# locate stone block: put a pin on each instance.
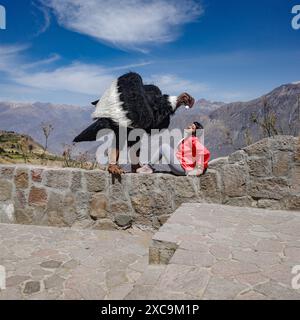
(58, 179)
(268, 204)
(239, 201)
(55, 201)
(239, 156)
(7, 213)
(218, 164)
(117, 190)
(21, 179)
(96, 181)
(235, 179)
(210, 185)
(185, 189)
(76, 183)
(7, 172)
(295, 178)
(268, 188)
(283, 143)
(6, 188)
(291, 202)
(37, 197)
(104, 224)
(37, 175)
(98, 207)
(297, 151)
(261, 148)
(154, 203)
(24, 216)
(82, 203)
(119, 207)
(281, 163)
(20, 199)
(161, 252)
(123, 220)
(259, 167)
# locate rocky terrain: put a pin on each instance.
(18, 148)
(236, 125)
(27, 118)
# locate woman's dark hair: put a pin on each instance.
(198, 125)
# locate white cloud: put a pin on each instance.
(8, 56)
(77, 77)
(43, 78)
(76, 82)
(127, 23)
(46, 18)
(173, 84)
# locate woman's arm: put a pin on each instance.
(202, 155)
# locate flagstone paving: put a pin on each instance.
(208, 251)
(58, 263)
(204, 251)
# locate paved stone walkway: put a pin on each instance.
(204, 251)
(207, 251)
(56, 263)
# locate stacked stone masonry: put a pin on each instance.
(263, 175)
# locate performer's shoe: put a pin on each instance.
(146, 169)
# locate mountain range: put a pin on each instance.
(27, 118)
(228, 127)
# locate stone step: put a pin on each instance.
(209, 251)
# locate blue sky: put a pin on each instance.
(68, 51)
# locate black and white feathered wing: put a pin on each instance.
(129, 103)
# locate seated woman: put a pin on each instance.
(192, 156)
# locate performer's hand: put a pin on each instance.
(185, 99)
(196, 172)
(199, 172)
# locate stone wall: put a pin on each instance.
(264, 175)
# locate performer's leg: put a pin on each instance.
(167, 152)
(113, 167)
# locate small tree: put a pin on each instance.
(47, 128)
(247, 137)
(82, 158)
(268, 121)
(67, 155)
